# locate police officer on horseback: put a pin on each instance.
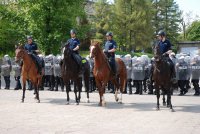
(165, 49)
(109, 50)
(74, 45)
(164, 46)
(32, 49)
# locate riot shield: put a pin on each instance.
(48, 65)
(128, 63)
(56, 66)
(195, 68)
(16, 69)
(138, 69)
(182, 69)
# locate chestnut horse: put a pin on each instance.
(102, 73)
(29, 71)
(162, 78)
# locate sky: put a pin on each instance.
(189, 5)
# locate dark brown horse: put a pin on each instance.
(29, 71)
(102, 72)
(162, 78)
(71, 71)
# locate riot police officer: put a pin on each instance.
(195, 70)
(74, 45)
(182, 75)
(6, 69)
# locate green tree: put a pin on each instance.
(167, 16)
(133, 23)
(48, 21)
(193, 31)
(101, 22)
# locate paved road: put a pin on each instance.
(137, 115)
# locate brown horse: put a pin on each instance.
(102, 72)
(29, 71)
(162, 78)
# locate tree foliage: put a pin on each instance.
(48, 21)
(193, 31)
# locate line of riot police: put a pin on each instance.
(138, 73)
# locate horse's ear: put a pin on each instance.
(21, 47)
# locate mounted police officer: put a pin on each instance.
(74, 45)
(109, 50)
(32, 49)
(165, 49)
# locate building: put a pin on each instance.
(189, 47)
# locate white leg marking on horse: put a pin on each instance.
(120, 100)
(116, 97)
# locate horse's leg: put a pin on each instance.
(88, 88)
(24, 88)
(116, 89)
(36, 91)
(75, 91)
(79, 86)
(164, 102)
(169, 99)
(99, 87)
(158, 96)
(67, 83)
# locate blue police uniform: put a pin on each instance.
(31, 47)
(73, 43)
(110, 44)
(164, 46)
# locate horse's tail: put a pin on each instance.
(86, 74)
(122, 75)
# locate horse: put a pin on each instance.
(29, 71)
(102, 73)
(162, 78)
(71, 71)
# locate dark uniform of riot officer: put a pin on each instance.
(6, 71)
(109, 50)
(183, 71)
(32, 49)
(195, 67)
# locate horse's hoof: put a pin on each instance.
(77, 103)
(117, 99)
(157, 109)
(172, 110)
(88, 101)
(67, 103)
(38, 101)
(22, 101)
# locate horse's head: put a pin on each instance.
(19, 53)
(94, 47)
(67, 51)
